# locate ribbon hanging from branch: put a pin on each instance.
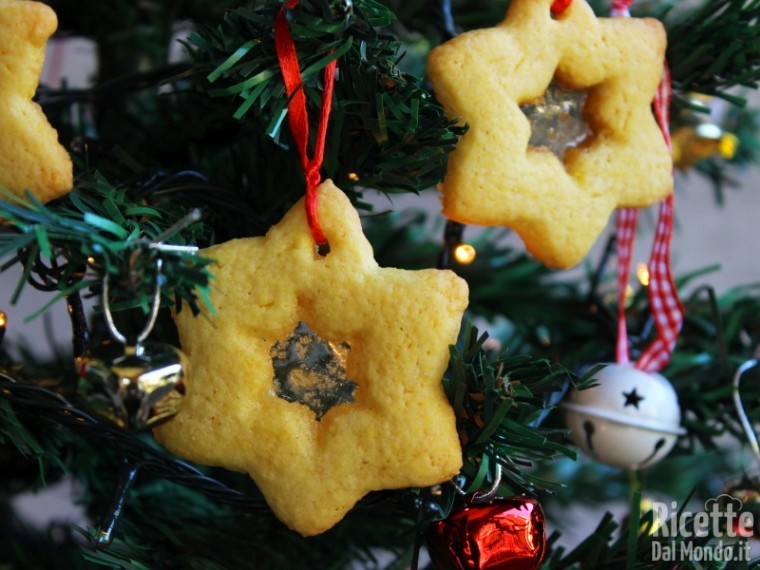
(665, 305)
(298, 117)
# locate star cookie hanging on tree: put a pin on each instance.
(31, 158)
(516, 86)
(320, 376)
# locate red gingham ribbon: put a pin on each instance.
(626, 232)
(665, 305)
(298, 117)
(620, 8)
(663, 297)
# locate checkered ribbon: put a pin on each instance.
(620, 9)
(626, 232)
(665, 305)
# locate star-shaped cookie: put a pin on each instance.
(30, 155)
(395, 430)
(494, 177)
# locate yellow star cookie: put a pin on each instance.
(395, 326)
(495, 177)
(30, 155)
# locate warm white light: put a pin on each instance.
(464, 253)
(648, 505)
(642, 271)
(728, 145)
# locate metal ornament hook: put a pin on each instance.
(748, 430)
(155, 306)
(156, 244)
(488, 495)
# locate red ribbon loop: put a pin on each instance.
(298, 117)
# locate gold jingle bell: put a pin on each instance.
(698, 137)
(133, 385)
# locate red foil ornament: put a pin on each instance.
(503, 533)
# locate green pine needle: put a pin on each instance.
(102, 229)
(386, 132)
(499, 404)
(713, 48)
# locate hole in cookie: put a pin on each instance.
(323, 249)
(311, 371)
(556, 119)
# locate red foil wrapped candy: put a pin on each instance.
(503, 533)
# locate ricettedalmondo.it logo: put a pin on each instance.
(717, 534)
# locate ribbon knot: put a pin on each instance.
(313, 176)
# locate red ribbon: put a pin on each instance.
(298, 117)
(559, 6)
(665, 305)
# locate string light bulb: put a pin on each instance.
(648, 505)
(728, 145)
(642, 272)
(464, 253)
(3, 323)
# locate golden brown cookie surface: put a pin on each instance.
(400, 429)
(494, 177)
(30, 155)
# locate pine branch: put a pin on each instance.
(386, 132)
(102, 229)
(745, 125)
(719, 334)
(42, 424)
(713, 48)
(173, 505)
(500, 404)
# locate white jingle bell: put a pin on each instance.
(631, 419)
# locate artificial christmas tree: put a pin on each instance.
(300, 335)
